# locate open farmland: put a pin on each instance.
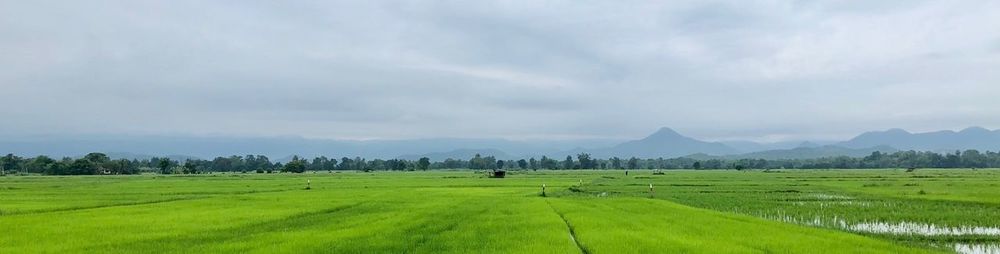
(816, 211)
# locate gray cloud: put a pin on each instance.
(766, 70)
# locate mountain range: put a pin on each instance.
(970, 138)
(665, 143)
(802, 153)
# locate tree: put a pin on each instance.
(82, 167)
(237, 163)
(345, 163)
(633, 163)
(738, 167)
(164, 166)
(453, 163)
(251, 163)
(585, 161)
(490, 162)
(318, 163)
(499, 164)
(359, 164)
(264, 163)
(39, 164)
(973, 159)
(9, 162)
(394, 164)
(523, 164)
(424, 163)
(123, 166)
(330, 164)
(295, 166)
(477, 162)
(59, 167)
(223, 164)
(548, 163)
(616, 162)
(190, 167)
(97, 157)
(568, 163)
(697, 165)
(952, 160)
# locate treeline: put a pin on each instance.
(99, 163)
(902, 159)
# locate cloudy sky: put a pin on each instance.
(764, 70)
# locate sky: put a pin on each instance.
(716, 70)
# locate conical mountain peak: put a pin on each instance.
(663, 133)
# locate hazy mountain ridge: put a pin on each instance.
(277, 148)
(461, 154)
(802, 153)
(665, 143)
(744, 146)
(970, 138)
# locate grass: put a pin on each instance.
(463, 212)
(638, 225)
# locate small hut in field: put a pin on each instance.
(498, 173)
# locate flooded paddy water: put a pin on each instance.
(977, 248)
(822, 201)
(946, 209)
(912, 228)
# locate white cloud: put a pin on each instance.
(515, 69)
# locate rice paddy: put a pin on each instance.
(792, 211)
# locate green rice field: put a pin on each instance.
(581, 211)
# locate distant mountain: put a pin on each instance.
(462, 154)
(813, 152)
(276, 148)
(701, 156)
(799, 153)
(969, 138)
(808, 144)
(664, 143)
(743, 146)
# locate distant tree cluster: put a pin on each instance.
(91, 164)
(99, 163)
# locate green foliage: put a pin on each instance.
(165, 165)
(522, 164)
(586, 162)
(190, 167)
(97, 158)
(424, 163)
(9, 162)
(295, 166)
(99, 163)
(83, 167)
(479, 162)
(568, 163)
